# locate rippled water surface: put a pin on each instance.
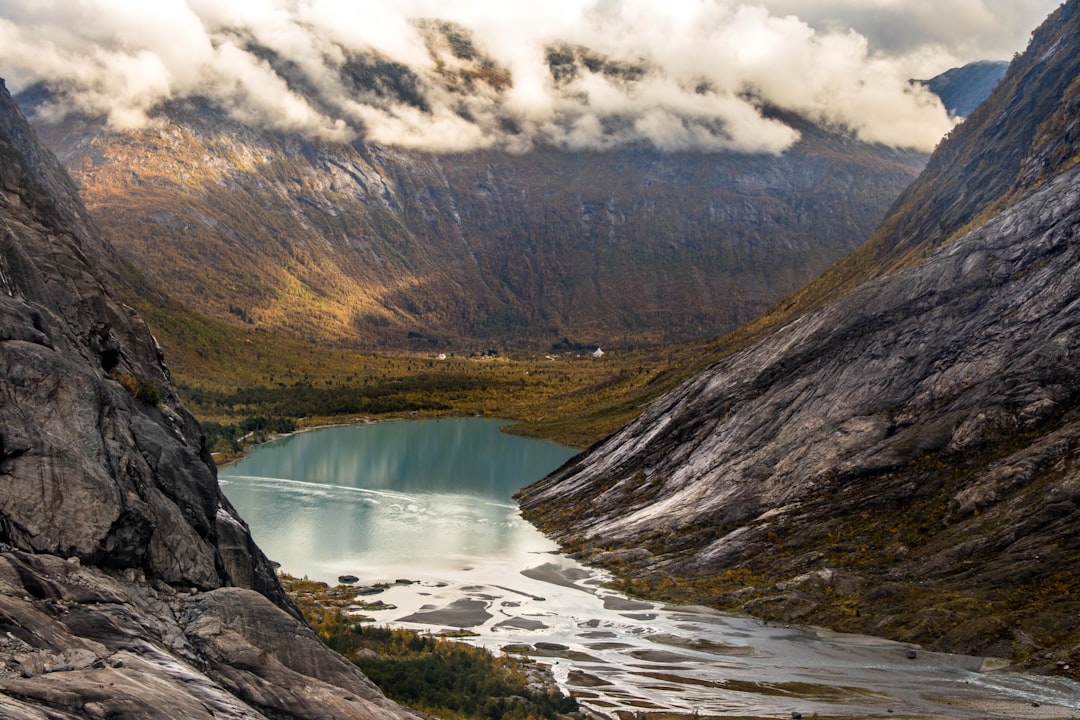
(429, 503)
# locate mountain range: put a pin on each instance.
(894, 448)
(365, 245)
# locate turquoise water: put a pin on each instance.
(391, 499)
(431, 501)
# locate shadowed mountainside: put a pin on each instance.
(962, 89)
(896, 448)
(128, 584)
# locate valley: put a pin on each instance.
(230, 377)
(819, 379)
(409, 525)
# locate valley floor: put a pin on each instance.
(245, 386)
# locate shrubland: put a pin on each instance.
(245, 385)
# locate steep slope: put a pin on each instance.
(122, 566)
(1017, 138)
(962, 89)
(364, 245)
(904, 458)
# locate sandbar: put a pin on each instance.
(462, 613)
(556, 575)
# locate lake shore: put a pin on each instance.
(417, 416)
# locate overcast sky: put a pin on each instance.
(708, 65)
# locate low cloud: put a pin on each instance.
(454, 76)
(967, 30)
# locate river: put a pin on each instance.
(424, 509)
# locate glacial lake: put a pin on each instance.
(406, 496)
(424, 510)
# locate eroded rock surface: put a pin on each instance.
(82, 643)
(902, 459)
(129, 586)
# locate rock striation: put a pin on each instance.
(903, 459)
(129, 587)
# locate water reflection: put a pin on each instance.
(414, 495)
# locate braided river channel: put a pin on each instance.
(424, 511)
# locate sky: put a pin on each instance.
(702, 70)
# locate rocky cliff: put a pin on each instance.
(904, 458)
(129, 587)
(368, 245)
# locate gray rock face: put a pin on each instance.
(80, 643)
(981, 339)
(920, 432)
(129, 587)
(94, 469)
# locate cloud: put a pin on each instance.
(465, 74)
(966, 30)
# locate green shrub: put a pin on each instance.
(450, 679)
(148, 392)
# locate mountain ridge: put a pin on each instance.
(892, 449)
(369, 246)
(962, 89)
(959, 179)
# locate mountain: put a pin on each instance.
(961, 89)
(129, 587)
(365, 245)
(894, 448)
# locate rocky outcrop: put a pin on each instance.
(79, 643)
(104, 462)
(86, 644)
(902, 460)
(129, 587)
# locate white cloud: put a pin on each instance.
(967, 30)
(679, 74)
